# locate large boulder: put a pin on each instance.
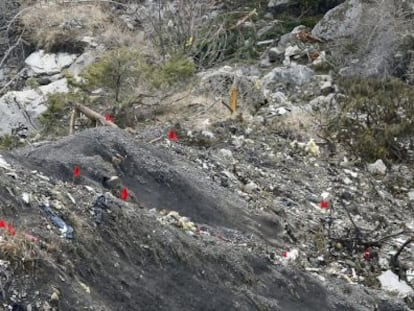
(340, 22)
(24, 107)
(82, 62)
(369, 38)
(42, 63)
(290, 75)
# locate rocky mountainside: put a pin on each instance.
(212, 155)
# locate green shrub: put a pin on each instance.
(58, 109)
(117, 72)
(177, 69)
(375, 119)
(32, 83)
(9, 142)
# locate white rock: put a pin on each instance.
(275, 3)
(207, 134)
(411, 195)
(377, 168)
(226, 156)
(26, 197)
(238, 141)
(327, 87)
(410, 275)
(320, 60)
(312, 148)
(82, 62)
(26, 106)
(293, 75)
(292, 255)
(389, 281)
(250, 187)
(44, 63)
(292, 51)
(90, 41)
(347, 181)
(325, 195)
(279, 97)
(351, 173)
(4, 164)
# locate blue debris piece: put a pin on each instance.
(99, 205)
(65, 229)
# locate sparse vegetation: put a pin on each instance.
(176, 69)
(56, 27)
(20, 252)
(53, 119)
(117, 71)
(121, 71)
(375, 119)
(9, 142)
(32, 83)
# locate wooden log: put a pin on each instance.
(93, 115)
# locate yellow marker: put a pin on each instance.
(189, 42)
(233, 99)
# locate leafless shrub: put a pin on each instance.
(199, 29)
(11, 45)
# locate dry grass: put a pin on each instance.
(47, 24)
(20, 252)
(116, 36)
(297, 125)
(55, 27)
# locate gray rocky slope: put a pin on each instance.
(246, 213)
(137, 259)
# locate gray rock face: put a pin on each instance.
(341, 21)
(292, 75)
(82, 62)
(371, 34)
(24, 107)
(48, 64)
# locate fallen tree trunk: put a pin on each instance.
(89, 113)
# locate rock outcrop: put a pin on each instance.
(371, 38)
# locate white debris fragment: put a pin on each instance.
(347, 181)
(12, 174)
(292, 255)
(90, 189)
(26, 197)
(208, 134)
(4, 164)
(71, 198)
(43, 177)
(377, 168)
(250, 187)
(410, 275)
(312, 148)
(389, 281)
(411, 195)
(351, 173)
(325, 195)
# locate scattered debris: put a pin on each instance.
(174, 218)
(65, 230)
